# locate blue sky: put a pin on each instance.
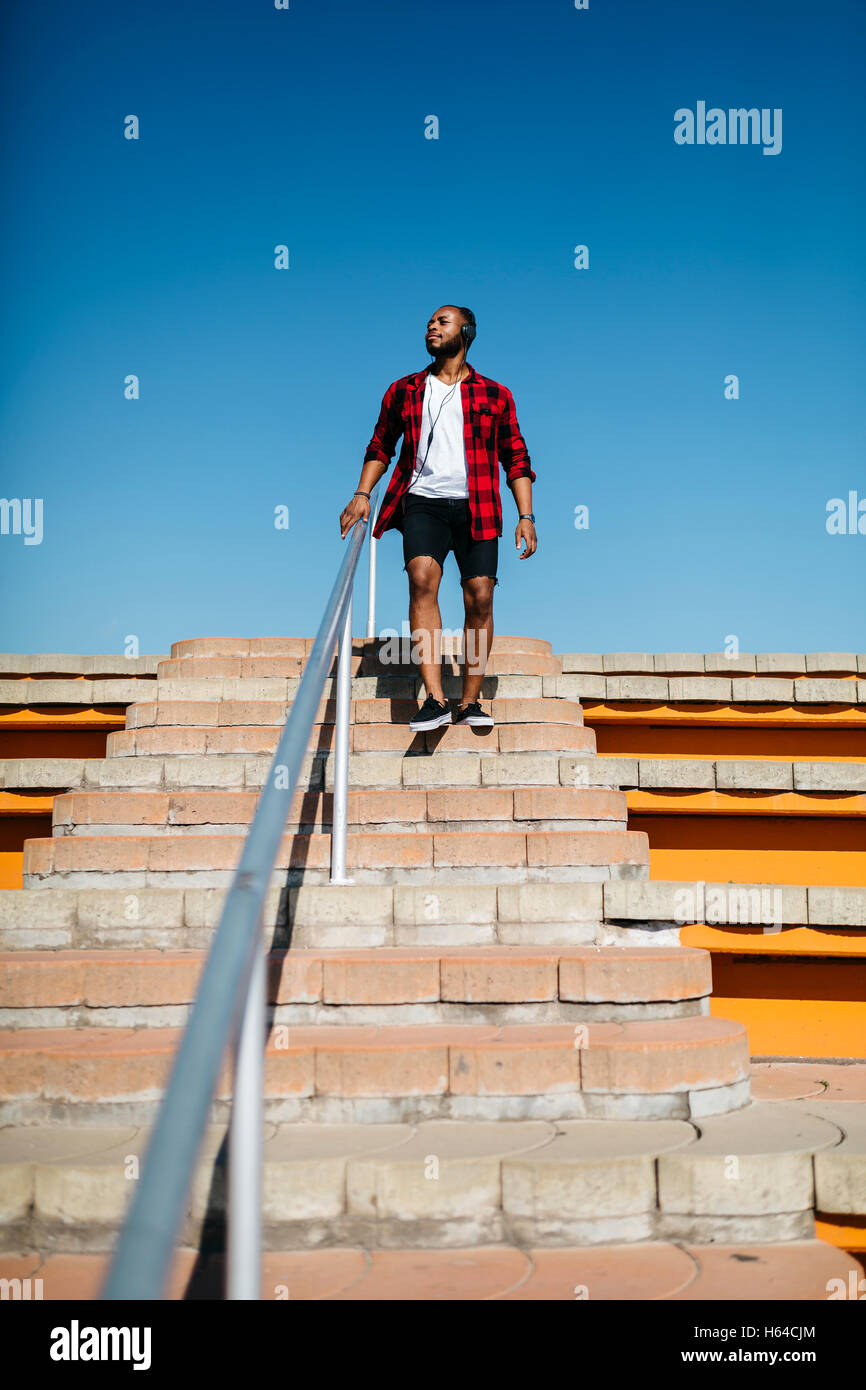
(260, 387)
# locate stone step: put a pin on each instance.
(388, 685)
(209, 714)
(803, 1270)
(135, 988)
(349, 916)
(446, 856)
(666, 1069)
(715, 663)
(807, 690)
(543, 768)
(370, 738)
(109, 691)
(324, 916)
(302, 646)
(396, 662)
(733, 774)
(399, 808)
(748, 1176)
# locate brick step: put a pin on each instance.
(803, 1270)
(389, 685)
(52, 989)
(397, 662)
(302, 646)
(734, 774)
(209, 714)
(442, 1183)
(363, 738)
(373, 770)
(672, 1068)
(807, 690)
(399, 808)
(715, 663)
(518, 856)
(331, 916)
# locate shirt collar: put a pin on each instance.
(419, 379)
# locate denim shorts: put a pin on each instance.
(435, 525)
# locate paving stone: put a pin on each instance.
(694, 689)
(780, 663)
(815, 690)
(582, 662)
(837, 906)
(734, 774)
(762, 690)
(830, 777)
(677, 772)
(832, 662)
(628, 663)
(678, 663)
(750, 1163)
(637, 688)
(720, 664)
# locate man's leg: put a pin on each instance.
(425, 620)
(477, 634)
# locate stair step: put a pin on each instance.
(520, 855)
(441, 1183)
(211, 714)
(315, 915)
(390, 684)
(302, 646)
(490, 808)
(372, 770)
(498, 985)
(363, 738)
(394, 661)
(674, 1068)
(654, 1270)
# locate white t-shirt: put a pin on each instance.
(441, 469)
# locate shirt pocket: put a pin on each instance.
(485, 419)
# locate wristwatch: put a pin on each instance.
(527, 516)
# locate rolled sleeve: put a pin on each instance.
(511, 446)
(389, 427)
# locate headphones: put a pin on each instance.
(467, 332)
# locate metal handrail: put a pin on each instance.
(230, 1003)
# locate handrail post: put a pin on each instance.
(371, 574)
(245, 1156)
(339, 814)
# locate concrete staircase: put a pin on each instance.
(462, 1051)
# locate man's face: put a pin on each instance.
(444, 338)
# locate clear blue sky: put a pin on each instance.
(261, 387)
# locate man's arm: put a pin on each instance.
(514, 457)
(378, 455)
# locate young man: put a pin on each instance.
(457, 427)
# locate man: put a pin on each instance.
(457, 427)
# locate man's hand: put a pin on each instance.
(525, 531)
(358, 508)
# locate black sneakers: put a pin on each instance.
(474, 714)
(431, 715)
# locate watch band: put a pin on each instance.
(527, 516)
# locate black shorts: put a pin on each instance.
(435, 525)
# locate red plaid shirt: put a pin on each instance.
(491, 435)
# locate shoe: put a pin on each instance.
(474, 714)
(431, 715)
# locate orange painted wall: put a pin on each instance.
(14, 830)
(756, 849)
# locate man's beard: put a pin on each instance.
(445, 349)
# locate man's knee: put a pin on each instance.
(424, 575)
(478, 596)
